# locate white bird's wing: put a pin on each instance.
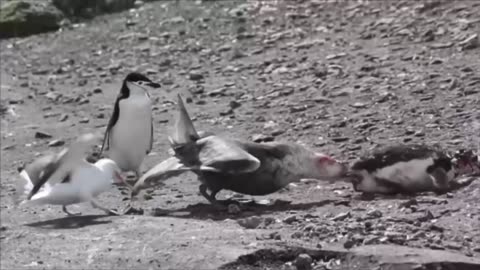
(57, 168)
(32, 174)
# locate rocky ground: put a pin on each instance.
(341, 76)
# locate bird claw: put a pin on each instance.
(112, 212)
(70, 214)
(127, 209)
(77, 214)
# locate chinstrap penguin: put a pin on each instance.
(129, 134)
(407, 169)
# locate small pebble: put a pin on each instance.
(349, 244)
(56, 143)
(97, 90)
(235, 104)
(250, 222)
(374, 214)
(275, 236)
(290, 219)
(297, 235)
(84, 120)
(342, 216)
(63, 117)
(195, 75)
(303, 262)
(42, 135)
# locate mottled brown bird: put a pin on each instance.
(240, 166)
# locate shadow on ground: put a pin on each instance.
(204, 211)
(70, 222)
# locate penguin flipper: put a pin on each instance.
(111, 123)
(151, 139)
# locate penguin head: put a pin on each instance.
(466, 161)
(137, 84)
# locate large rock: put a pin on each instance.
(390, 257)
(90, 8)
(23, 18)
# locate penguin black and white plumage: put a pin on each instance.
(407, 169)
(129, 135)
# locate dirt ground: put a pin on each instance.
(341, 76)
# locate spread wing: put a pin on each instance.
(195, 153)
(222, 155)
(40, 170)
(57, 168)
(32, 175)
(111, 123)
(184, 131)
(215, 155)
(151, 129)
(269, 149)
(155, 176)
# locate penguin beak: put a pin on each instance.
(143, 85)
(153, 85)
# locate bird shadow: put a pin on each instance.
(204, 211)
(73, 222)
(389, 197)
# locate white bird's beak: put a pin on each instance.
(119, 179)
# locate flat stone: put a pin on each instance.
(56, 143)
(42, 135)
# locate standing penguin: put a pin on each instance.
(129, 135)
(408, 169)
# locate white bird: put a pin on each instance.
(67, 178)
(129, 135)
